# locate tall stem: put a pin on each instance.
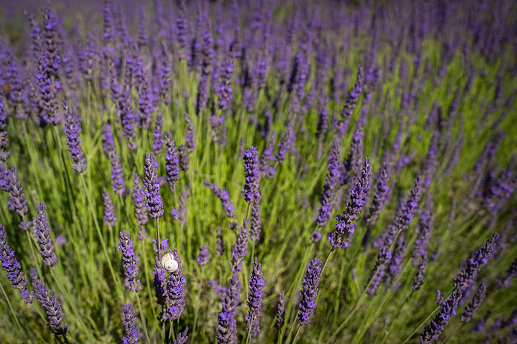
(92, 210)
(142, 317)
(11, 307)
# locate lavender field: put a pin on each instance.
(258, 172)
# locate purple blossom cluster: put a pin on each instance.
(345, 227)
(130, 260)
(222, 194)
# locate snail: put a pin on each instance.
(169, 263)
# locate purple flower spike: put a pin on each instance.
(473, 305)
(183, 157)
(467, 276)
(108, 143)
(432, 331)
(72, 130)
(129, 321)
(139, 200)
(12, 268)
(425, 227)
(309, 292)
(182, 337)
(225, 92)
(171, 160)
(256, 222)
(130, 260)
(152, 186)
(256, 287)
(420, 273)
(203, 256)
(48, 301)
(227, 325)
(158, 135)
(17, 202)
(117, 176)
(176, 290)
(42, 234)
(329, 185)
(347, 221)
(240, 249)
(222, 194)
(381, 195)
(251, 190)
(280, 311)
(109, 210)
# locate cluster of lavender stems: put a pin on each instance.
(290, 82)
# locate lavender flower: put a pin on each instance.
(50, 35)
(256, 222)
(381, 195)
(17, 202)
(152, 186)
(182, 337)
(183, 158)
(108, 144)
(127, 118)
(109, 211)
(351, 102)
(158, 135)
(190, 140)
(403, 216)
(203, 256)
(420, 273)
(480, 258)
(176, 290)
(4, 153)
(425, 227)
(280, 311)
(130, 260)
(396, 263)
(48, 301)
(255, 300)
(347, 222)
(378, 271)
(72, 129)
(181, 29)
(222, 194)
(117, 176)
(432, 331)
(139, 200)
(219, 247)
(309, 292)
(42, 234)
(171, 160)
(474, 304)
(329, 185)
(12, 268)
(225, 93)
(129, 321)
(240, 249)
(226, 323)
(251, 190)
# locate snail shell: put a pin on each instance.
(168, 263)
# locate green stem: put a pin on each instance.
(296, 334)
(11, 307)
(92, 210)
(196, 310)
(142, 317)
